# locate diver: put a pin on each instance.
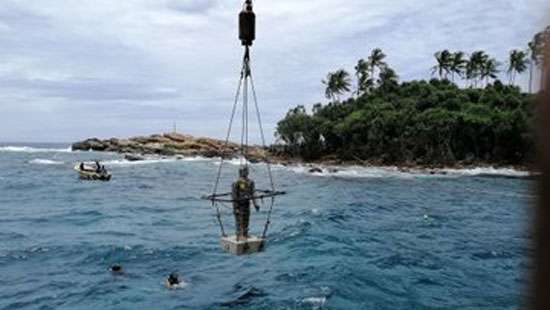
(241, 194)
(173, 281)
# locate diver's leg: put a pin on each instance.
(237, 222)
(246, 220)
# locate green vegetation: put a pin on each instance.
(434, 122)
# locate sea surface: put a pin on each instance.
(355, 238)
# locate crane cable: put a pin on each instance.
(245, 75)
(226, 143)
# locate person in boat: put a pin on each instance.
(81, 166)
(98, 167)
(173, 281)
(242, 193)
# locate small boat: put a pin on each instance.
(92, 171)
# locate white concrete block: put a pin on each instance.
(250, 245)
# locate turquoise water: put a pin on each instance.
(356, 239)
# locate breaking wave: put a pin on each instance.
(40, 161)
(124, 162)
(30, 149)
(489, 171)
(384, 172)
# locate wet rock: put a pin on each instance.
(133, 157)
(315, 170)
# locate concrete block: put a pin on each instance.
(250, 245)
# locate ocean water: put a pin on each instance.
(357, 238)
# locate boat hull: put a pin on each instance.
(92, 175)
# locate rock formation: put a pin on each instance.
(169, 144)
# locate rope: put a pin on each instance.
(226, 143)
(258, 116)
(246, 74)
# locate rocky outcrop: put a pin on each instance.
(168, 144)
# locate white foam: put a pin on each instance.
(316, 302)
(395, 172)
(352, 171)
(193, 158)
(40, 161)
(488, 171)
(233, 161)
(180, 285)
(29, 149)
(124, 162)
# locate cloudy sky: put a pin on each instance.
(75, 69)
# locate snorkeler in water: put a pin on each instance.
(173, 280)
(116, 269)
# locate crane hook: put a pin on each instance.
(247, 24)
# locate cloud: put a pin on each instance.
(193, 6)
(84, 89)
(138, 66)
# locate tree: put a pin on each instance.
(475, 65)
(458, 65)
(376, 60)
(337, 83)
(517, 64)
(489, 70)
(364, 82)
(444, 60)
(387, 78)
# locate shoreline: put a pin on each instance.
(319, 167)
(176, 145)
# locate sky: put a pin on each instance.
(70, 70)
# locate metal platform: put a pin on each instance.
(250, 245)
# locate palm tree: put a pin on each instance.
(475, 65)
(376, 60)
(517, 64)
(337, 83)
(489, 70)
(364, 83)
(387, 77)
(444, 60)
(458, 64)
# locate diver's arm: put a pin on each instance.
(252, 192)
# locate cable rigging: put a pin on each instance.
(243, 191)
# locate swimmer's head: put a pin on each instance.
(116, 268)
(173, 279)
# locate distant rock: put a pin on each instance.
(169, 144)
(133, 157)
